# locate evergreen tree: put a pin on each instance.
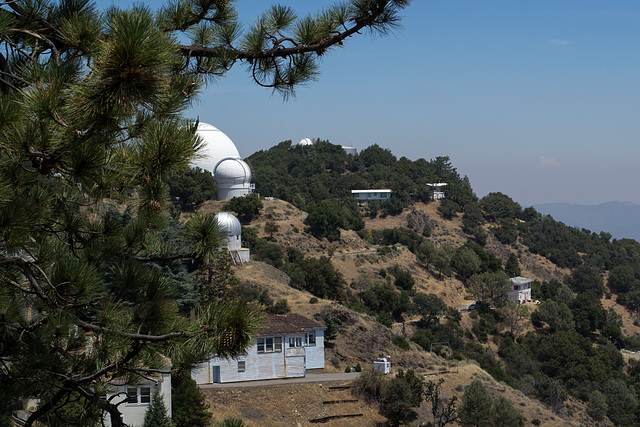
(156, 415)
(505, 415)
(187, 402)
(476, 407)
(91, 108)
(331, 332)
(397, 398)
(512, 266)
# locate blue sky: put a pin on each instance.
(538, 99)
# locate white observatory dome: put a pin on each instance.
(233, 178)
(216, 146)
(231, 227)
(305, 141)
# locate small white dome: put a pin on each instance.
(229, 224)
(216, 146)
(232, 171)
(305, 141)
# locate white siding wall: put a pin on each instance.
(315, 354)
(291, 361)
(133, 413)
(201, 373)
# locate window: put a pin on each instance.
(241, 365)
(270, 345)
(295, 341)
(515, 288)
(132, 395)
(145, 394)
(139, 395)
(311, 338)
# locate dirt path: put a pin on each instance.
(309, 378)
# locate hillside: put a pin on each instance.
(361, 338)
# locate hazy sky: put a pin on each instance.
(536, 99)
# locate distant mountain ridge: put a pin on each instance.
(621, 219)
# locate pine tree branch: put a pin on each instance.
(278, 51)
(54, 50)
(137, 336)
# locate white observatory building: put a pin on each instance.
(232, 229)
(305, 142)
(233, 178)
(220, 156)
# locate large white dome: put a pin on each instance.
(216, 146)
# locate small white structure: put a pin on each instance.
(436, 190)
(520, 290)
(286, 346)
(137, 398)
(233, 178)
(383, 364)
(230, 225)
(350, 150)
(305, 141)
(365, 196)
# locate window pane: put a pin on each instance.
(132, 395)
(260, 345)
(145, 394)
(298, 341)
(241, 365)
(277, 343)
(268, 344)
(312, 339)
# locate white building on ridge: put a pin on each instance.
(436, 190)
(365, 196)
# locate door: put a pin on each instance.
(215, 374)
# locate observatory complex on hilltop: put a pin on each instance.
(220, 156)
(305, 142)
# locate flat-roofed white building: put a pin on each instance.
(365, 196)
(520, 289)
(436, 190)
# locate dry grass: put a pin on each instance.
(360, 338)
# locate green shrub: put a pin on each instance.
(400, 342)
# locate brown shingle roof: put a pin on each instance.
(287, 324)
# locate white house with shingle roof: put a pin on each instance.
(286, 346)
